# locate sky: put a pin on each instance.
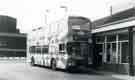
(34, 13)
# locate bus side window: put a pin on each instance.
(38, 50)
(45, 50)
(32, 49)
(61, 48)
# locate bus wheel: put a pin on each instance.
(32, 61)
(53, 64)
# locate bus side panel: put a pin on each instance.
(62, 61)
(47, 60)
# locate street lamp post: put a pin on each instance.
(46, 20)
(66, 10)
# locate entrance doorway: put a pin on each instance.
(99, 54)
(111, 54)
(124, 52)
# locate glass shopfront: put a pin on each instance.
(114, 48)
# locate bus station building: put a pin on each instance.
(114, 41)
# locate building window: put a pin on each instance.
(123, 37)
(3, 44)
(108, 56)
(124, 52)
(100, 39)
(114, 54)
(111, 38)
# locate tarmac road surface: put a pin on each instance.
(23, 71)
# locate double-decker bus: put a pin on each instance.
(65, 44)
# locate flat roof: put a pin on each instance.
(12, 34)
(129, 13)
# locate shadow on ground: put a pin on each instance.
(89, 71)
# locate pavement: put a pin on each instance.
(112, 74)
(12, 59)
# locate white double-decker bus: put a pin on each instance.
(65, 44)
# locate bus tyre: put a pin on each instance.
(32, 61)
(53, 64)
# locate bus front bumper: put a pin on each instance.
(77, 63)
